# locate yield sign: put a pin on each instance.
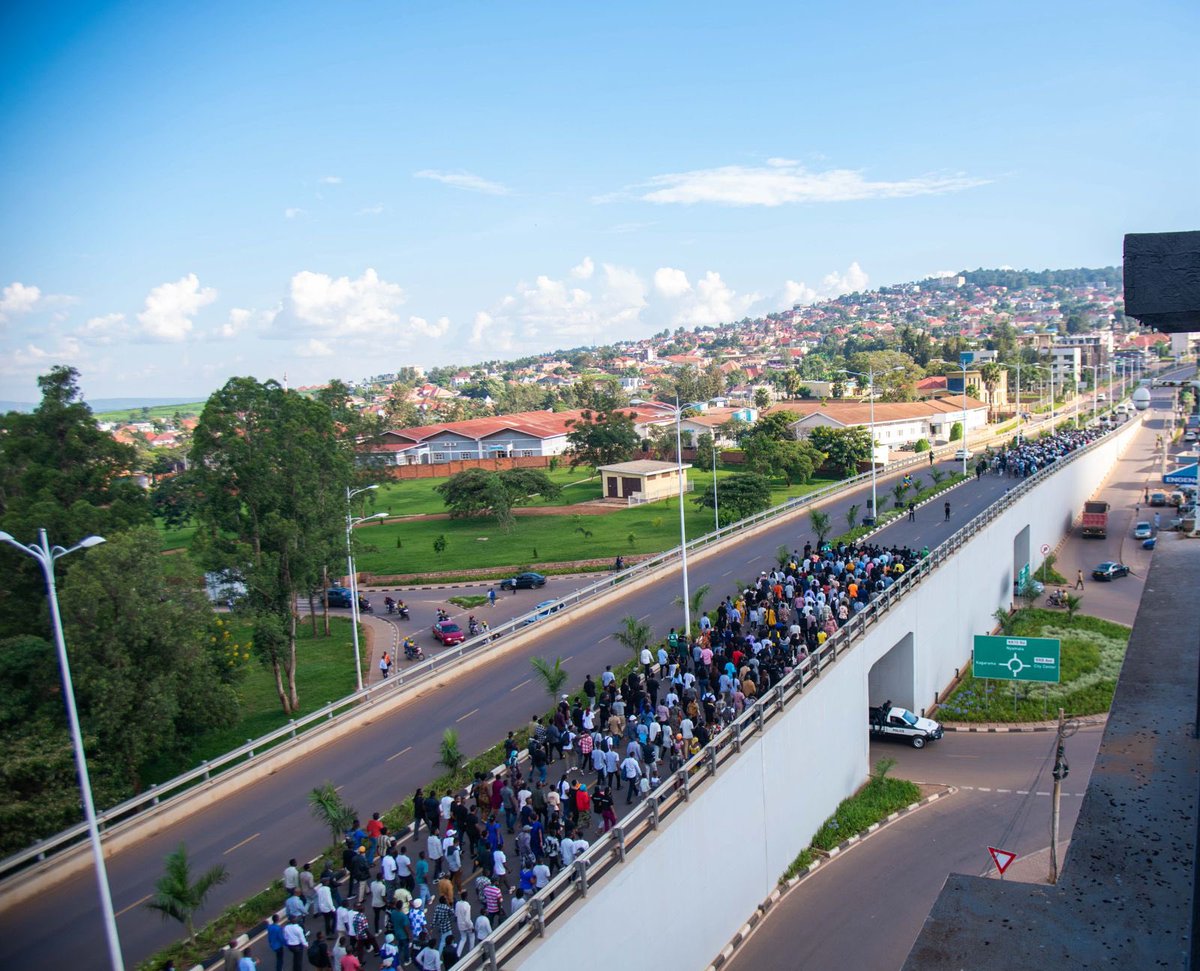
(1002, 858)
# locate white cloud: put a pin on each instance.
(374, 210)
(854, 280)
(671, 282)
(584, 270)
(783, 181)
(424, 328)
(17, 298)
(330, 180)
(170, 308)
(294, 212)
(104, 329)
(34, 359)
(710, 301)
(941, 274)
(550, 311)
(835, 284)
(314, 348)
(464, 180)
(340, 307)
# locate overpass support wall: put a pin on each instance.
(711, 864)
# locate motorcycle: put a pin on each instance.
(1057, 599)
(442, 615)
(472, 626)
(364, 606)
(402, 610)
(390, 604)
(411, 651)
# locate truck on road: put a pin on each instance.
(1095, 519)
(900, 723)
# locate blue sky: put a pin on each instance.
(193, 191)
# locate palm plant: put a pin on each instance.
(176, 896)
(936, 475)
(552, 675)
(450, 756)
(852, 516)
(330, 809)
(1004, 620)
(820, 525)
(898, 491)
(782, 555)
(634, 634)
(695, 601)
(1072, 603)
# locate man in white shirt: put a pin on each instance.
(387, 867)
(325, 905)
(541, 874)
(566, 851)
(466, 926)
(404, 869)
(631, 771)
(295, 941)
(291, 877)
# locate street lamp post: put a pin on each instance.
(870, 376)
(716, 509)
(46, 554)
(687, 607)
(351, 522)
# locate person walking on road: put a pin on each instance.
(912, 511)
(931, 460)
(491, 597)
(947, 512)
(1078, 579)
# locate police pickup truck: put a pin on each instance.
(902, 724)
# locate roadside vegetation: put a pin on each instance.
(1092, 653)
(876, 800)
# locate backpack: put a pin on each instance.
(316, 954)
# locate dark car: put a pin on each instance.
(339, 597)
(523, 581)
(1110, 570)
(448, 632)
(1158, 498)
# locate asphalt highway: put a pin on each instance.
(255, 831)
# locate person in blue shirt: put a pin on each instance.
(275, 941)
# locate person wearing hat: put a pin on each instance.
(389, 953)
(417, 918)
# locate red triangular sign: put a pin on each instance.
(1002, 858)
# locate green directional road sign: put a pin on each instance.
(1016, 658)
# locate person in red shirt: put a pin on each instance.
(374, 831)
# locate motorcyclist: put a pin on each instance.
(364, 604)
(472, 625)
(411, 651)
(390, 604)
(402, 609)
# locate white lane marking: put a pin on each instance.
(238, 846)
(398, 754)
(132, 905)
(521, 685)
(467, 715)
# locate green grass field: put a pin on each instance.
(471, 544)
(1092, 652)
(324, 673)
(189, 410)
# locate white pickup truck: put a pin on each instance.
(900, 723)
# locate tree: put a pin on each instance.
(852, 516)
(439, 544)
(331, 810)
(762, 399)
(146, 680)
(820, 524)
(601, 437)
(60, 472)
(176, 896)
(271, 472)
(898, 491)
(480, 492)
(695, 600)
(844, 447)
(634, 634)
(956, 431)
(552, 675)
(738, 496)
(771, 447)
(1072, 602)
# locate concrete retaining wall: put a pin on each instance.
(710, 866)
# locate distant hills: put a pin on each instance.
(99, 405)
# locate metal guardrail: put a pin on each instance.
(607, 854)
(256, 749)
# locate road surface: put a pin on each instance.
(866, 907)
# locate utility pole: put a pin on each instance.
(1061, 770)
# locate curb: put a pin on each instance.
(776, 895)
(1004, 729)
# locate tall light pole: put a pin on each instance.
(1095, 388)
(870, 376)
(46, 554)
(962, 362)
(716, 508)
(687, 606)
(351, 522)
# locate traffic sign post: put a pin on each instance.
(1002, 858)
(1016, 658)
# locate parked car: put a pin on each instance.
(962, 453)
(884, 721)
(1143, 530)
(1189, 436)
(339, 597)
(1110, 570)
(448, 632)
(1150, 543)
(1158, 498)
(523, 581)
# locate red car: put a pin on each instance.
(448, 632)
